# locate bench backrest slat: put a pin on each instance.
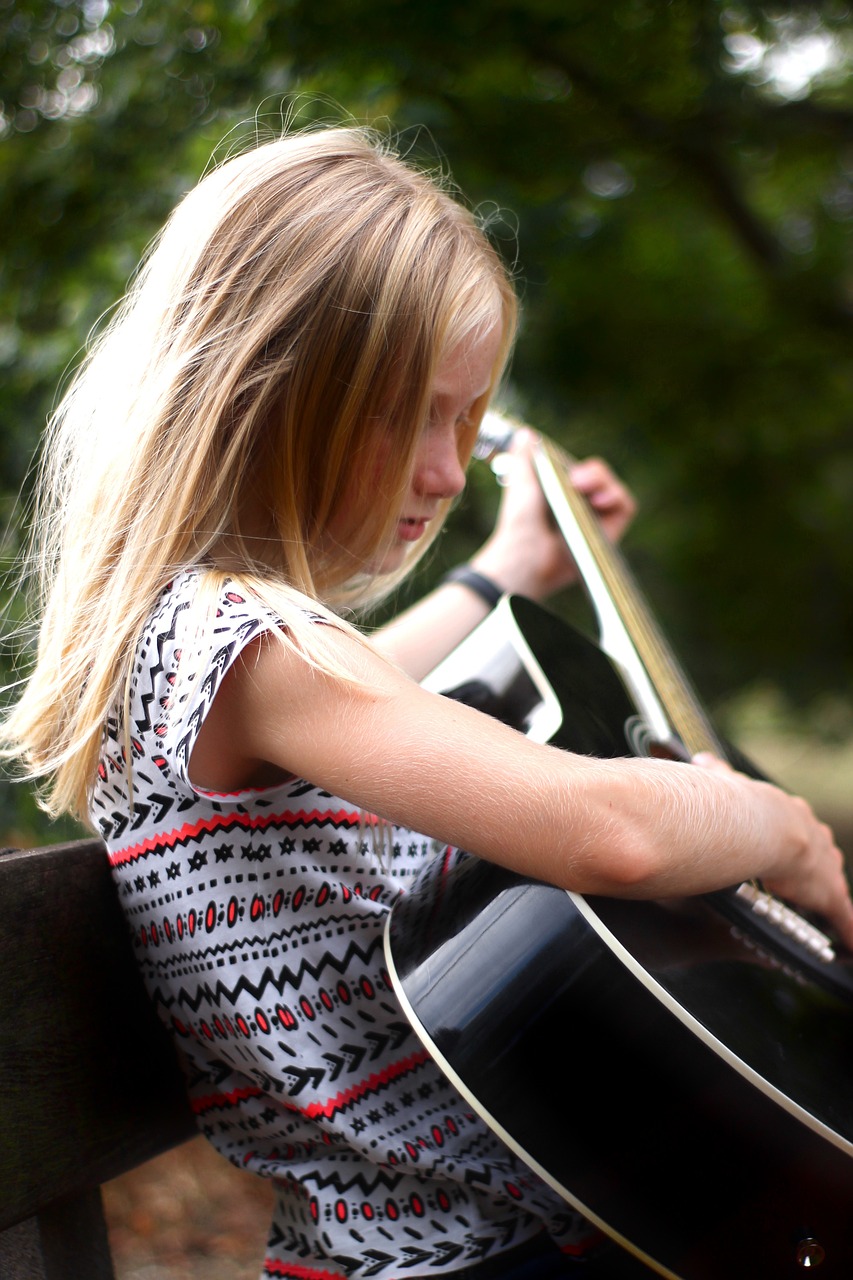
(89, 1082)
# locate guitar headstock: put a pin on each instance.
(495, 435)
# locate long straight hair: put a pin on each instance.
(285, 325)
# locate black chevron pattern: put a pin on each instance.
(257, 922)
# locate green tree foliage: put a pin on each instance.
(683, 210)
(673, 182)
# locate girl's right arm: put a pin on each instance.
(632, 828)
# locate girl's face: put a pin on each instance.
(463, 377)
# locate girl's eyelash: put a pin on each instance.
(462, 419)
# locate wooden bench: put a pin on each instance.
(89, 1083)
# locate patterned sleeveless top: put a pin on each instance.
(257, 920)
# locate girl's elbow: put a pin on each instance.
(631, 866)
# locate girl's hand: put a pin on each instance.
(607, 495)
(527, 554)
(810, 871)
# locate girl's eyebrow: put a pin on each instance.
(439, 393)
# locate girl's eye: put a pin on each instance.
(436, 420)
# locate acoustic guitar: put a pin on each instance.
(681, 1072)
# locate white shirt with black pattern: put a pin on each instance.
(257, 920)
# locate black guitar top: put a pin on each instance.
(679, 1071)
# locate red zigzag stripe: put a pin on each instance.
(211, 1100)
(331, 1105)
(243, 821)
(295, 1272)
(370, 1085)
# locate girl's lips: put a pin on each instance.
(410, 530)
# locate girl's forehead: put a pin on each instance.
(467, 369)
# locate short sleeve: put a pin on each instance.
(187, 650)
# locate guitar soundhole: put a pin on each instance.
(643, 744)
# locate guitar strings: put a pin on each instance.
(668, 679)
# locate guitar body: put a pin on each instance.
(675, 1071)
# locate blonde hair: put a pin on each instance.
(290, 316)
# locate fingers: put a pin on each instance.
(707, 760)
(840, 917)
(528, 553)
(824, 890)
(608, 496)
(817, 881)
(612, 500)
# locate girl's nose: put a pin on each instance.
(438, 471)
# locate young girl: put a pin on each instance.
(269, 434)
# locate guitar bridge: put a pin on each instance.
(787, 921)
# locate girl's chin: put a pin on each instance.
(389, 561)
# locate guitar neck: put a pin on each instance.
(672, 716)
(672, 721)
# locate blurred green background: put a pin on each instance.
(672, 181)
